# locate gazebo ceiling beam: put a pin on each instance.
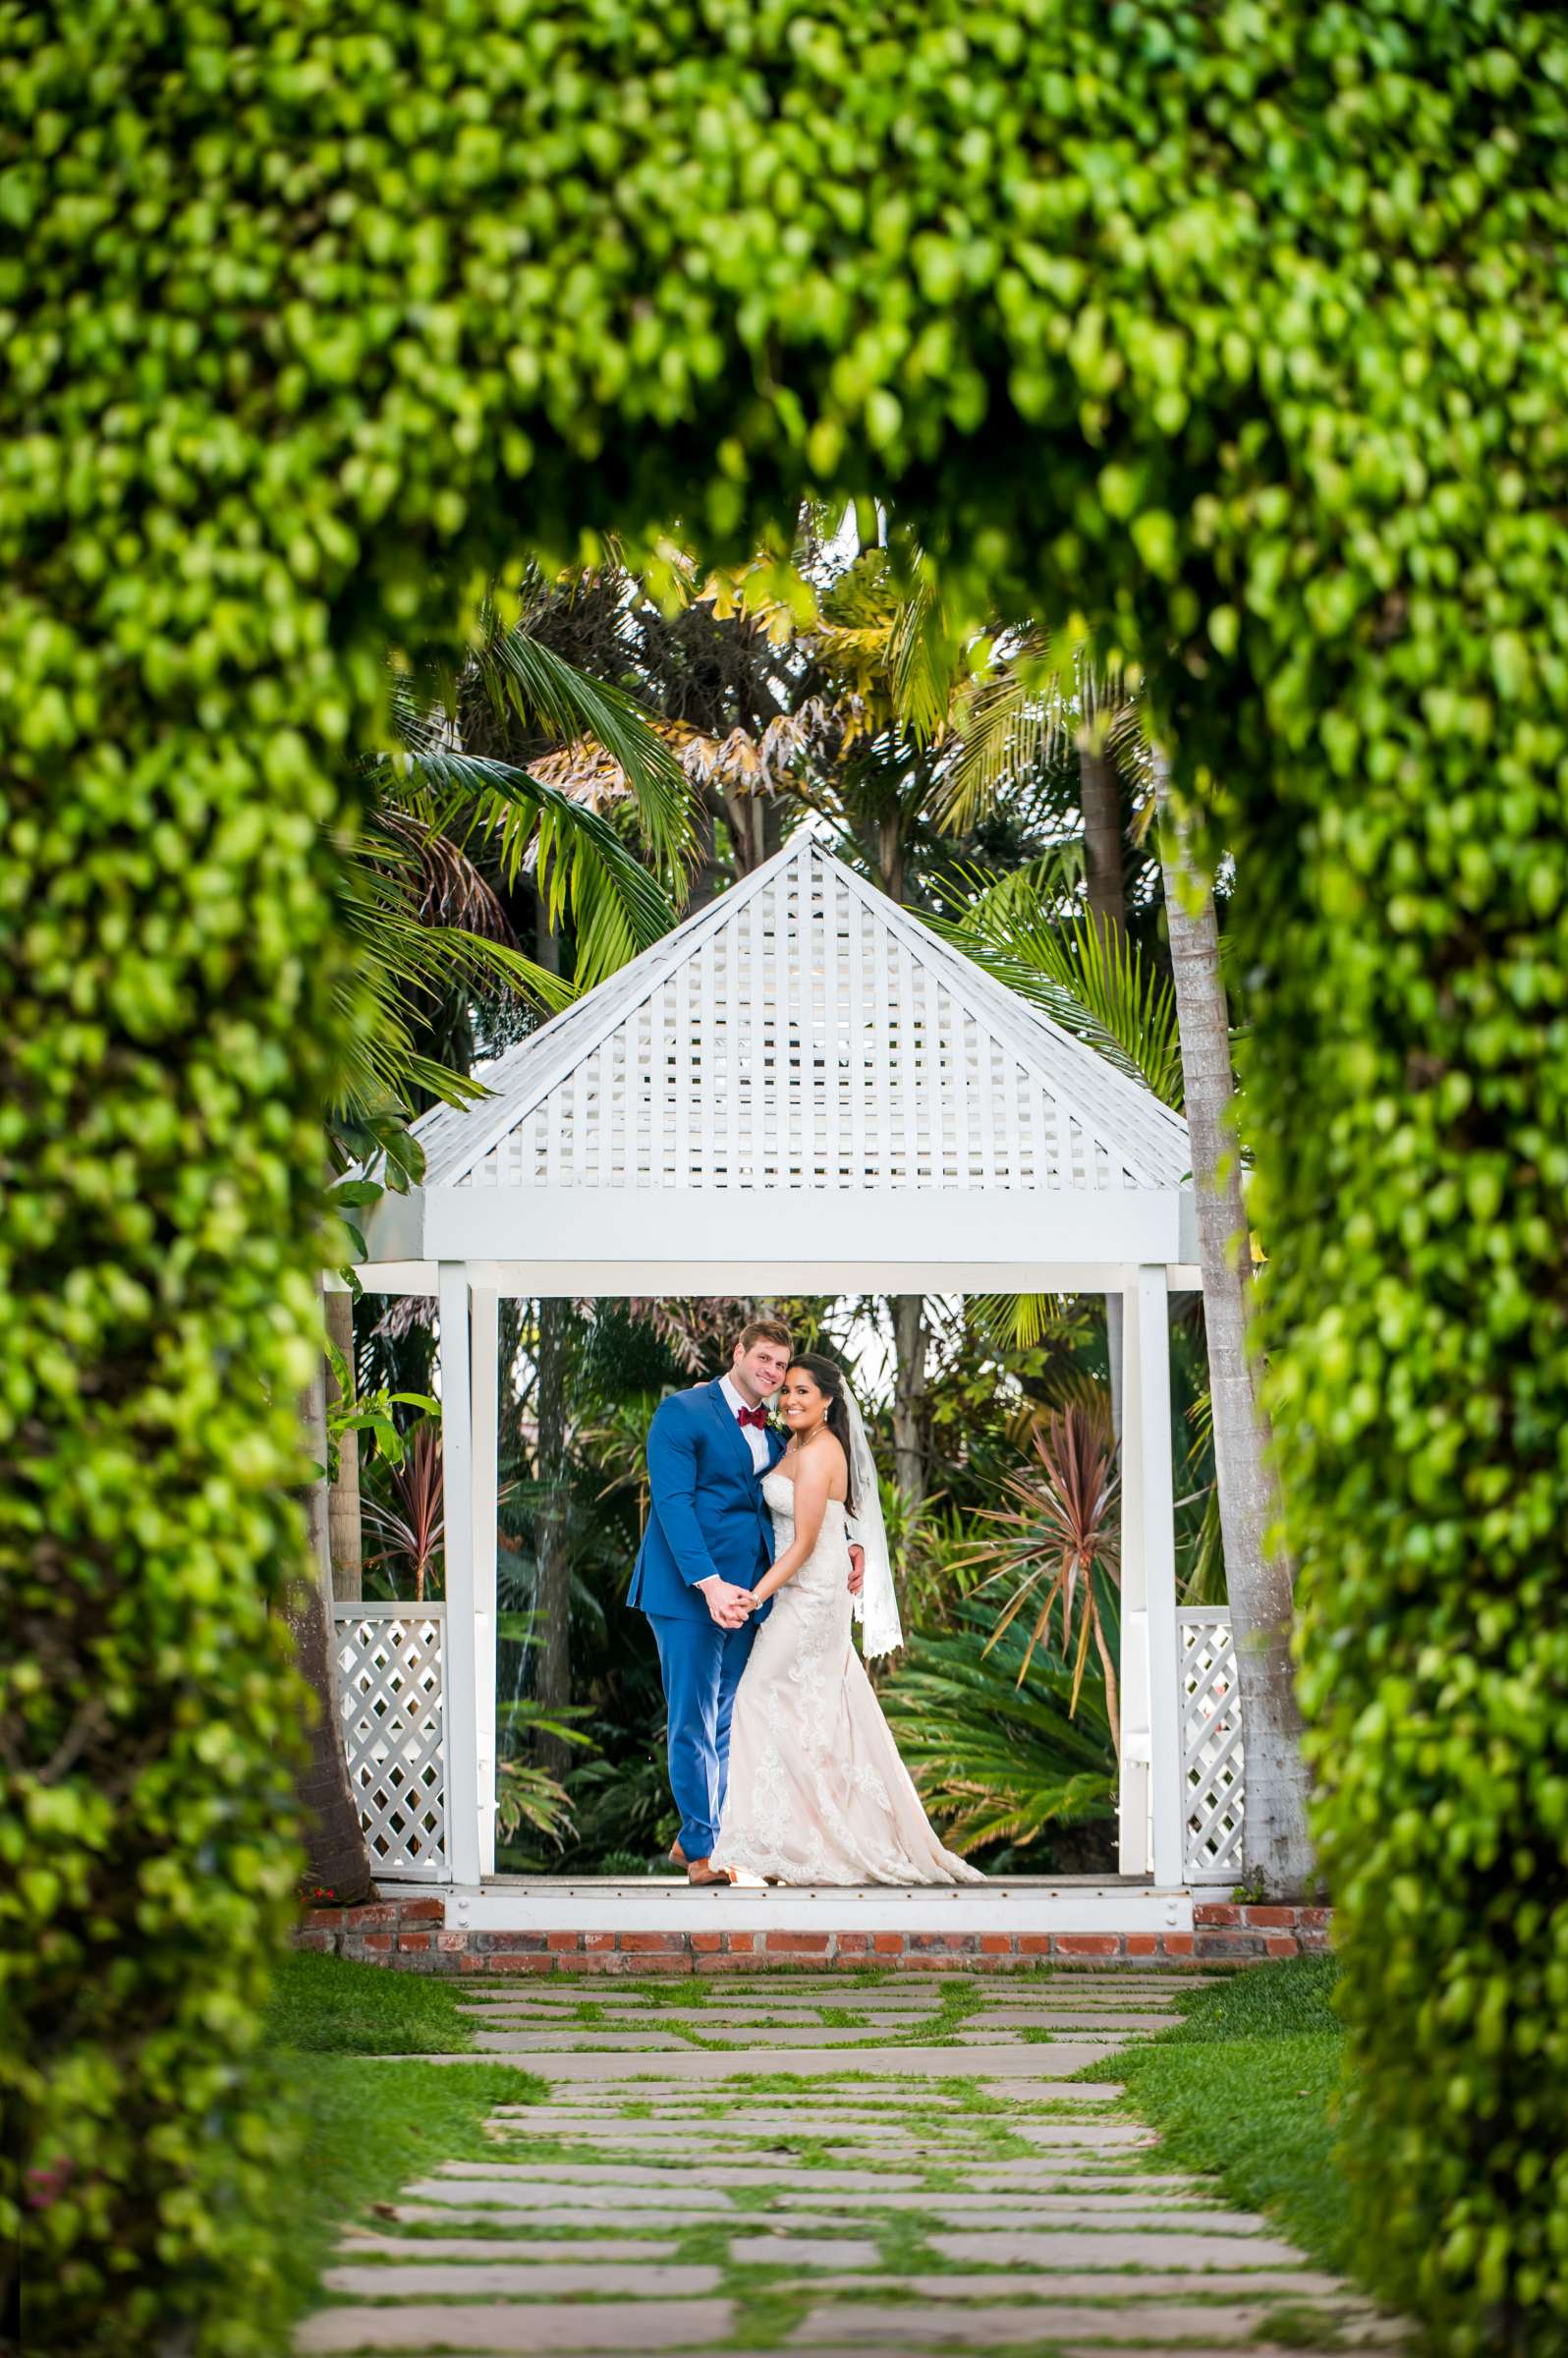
(616, 1280)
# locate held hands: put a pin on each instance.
(728, 1604)
(856, 1570)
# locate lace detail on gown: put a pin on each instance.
(818, 1793)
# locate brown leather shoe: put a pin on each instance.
(700, 1873)
(678, 1854)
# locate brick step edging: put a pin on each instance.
(410, 1935)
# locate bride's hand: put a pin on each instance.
(857, 1571)
(728, 1604)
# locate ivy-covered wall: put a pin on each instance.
(1240, 330)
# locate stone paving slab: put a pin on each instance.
(481, 2330)
(502, 2194)
(1092, 2137)
(1108, 2294)
(1184, 2349)
(965, 2209)
(1123, 2245)
(807, 2136)
(802, 2144)
(780, 2248)
(634, 2174)
(1096, 2214)
(998, 2086)
(433, 2279)
(1049, 2135)
(580, 2043)
(1058, 2018)
(359, 2243)
(651, 2041)
(1057, 2061)
(793, 2105)
(706, 1998)
(1286, 2286)
(660, 2224)
(929, 2319)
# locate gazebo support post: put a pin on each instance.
(1152, 1814)
(484, 1358)
(1132, 1850)
(461, 1521)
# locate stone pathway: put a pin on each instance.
(827, 2167)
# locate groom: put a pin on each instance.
(709, 1539)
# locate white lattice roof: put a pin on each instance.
(801, 1036)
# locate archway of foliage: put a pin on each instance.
(1238, 331)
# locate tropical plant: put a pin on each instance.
(987, 1728)
(353, 1412)
(528, 1793)
(621, 1803)
(410, 1521)
(1062, 1528)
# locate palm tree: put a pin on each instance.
(1091, 979)
(426, 927)
(1278, 1852)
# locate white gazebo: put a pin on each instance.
(801, 1089)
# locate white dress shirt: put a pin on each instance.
(754, 1434)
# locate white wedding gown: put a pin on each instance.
(818, 1793)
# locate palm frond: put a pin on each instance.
(1013, 725)
(617, 907)
(545, 690)
(923, 661)
(998, 1757)
(1096, 988)
(1015, 1321)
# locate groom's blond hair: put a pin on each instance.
(766, 1330)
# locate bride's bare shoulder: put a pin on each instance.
(826, 1451)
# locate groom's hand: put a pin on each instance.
(728, 1604)
(856, 1570)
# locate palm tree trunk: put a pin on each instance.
(1257, 1571)
(347, 1547)
(707, 876)
(891, 853)
(555, 1595)
(745, 815)
(910, 1347)
(546, 941)
(335, 1853)
(1101, 794)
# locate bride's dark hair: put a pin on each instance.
(828, 1379)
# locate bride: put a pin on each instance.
(818, 1793)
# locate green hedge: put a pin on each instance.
(1239, 329)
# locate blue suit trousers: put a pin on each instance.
(702, 1665)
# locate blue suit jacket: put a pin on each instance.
(706, 1512)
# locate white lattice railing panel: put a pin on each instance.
(390, 1684)
(802, 1033)
(1212, 1753)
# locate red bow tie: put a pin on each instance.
(752, 1416)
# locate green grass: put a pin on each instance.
(366, 2128)
(1244, 2085)
(333, 2007)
